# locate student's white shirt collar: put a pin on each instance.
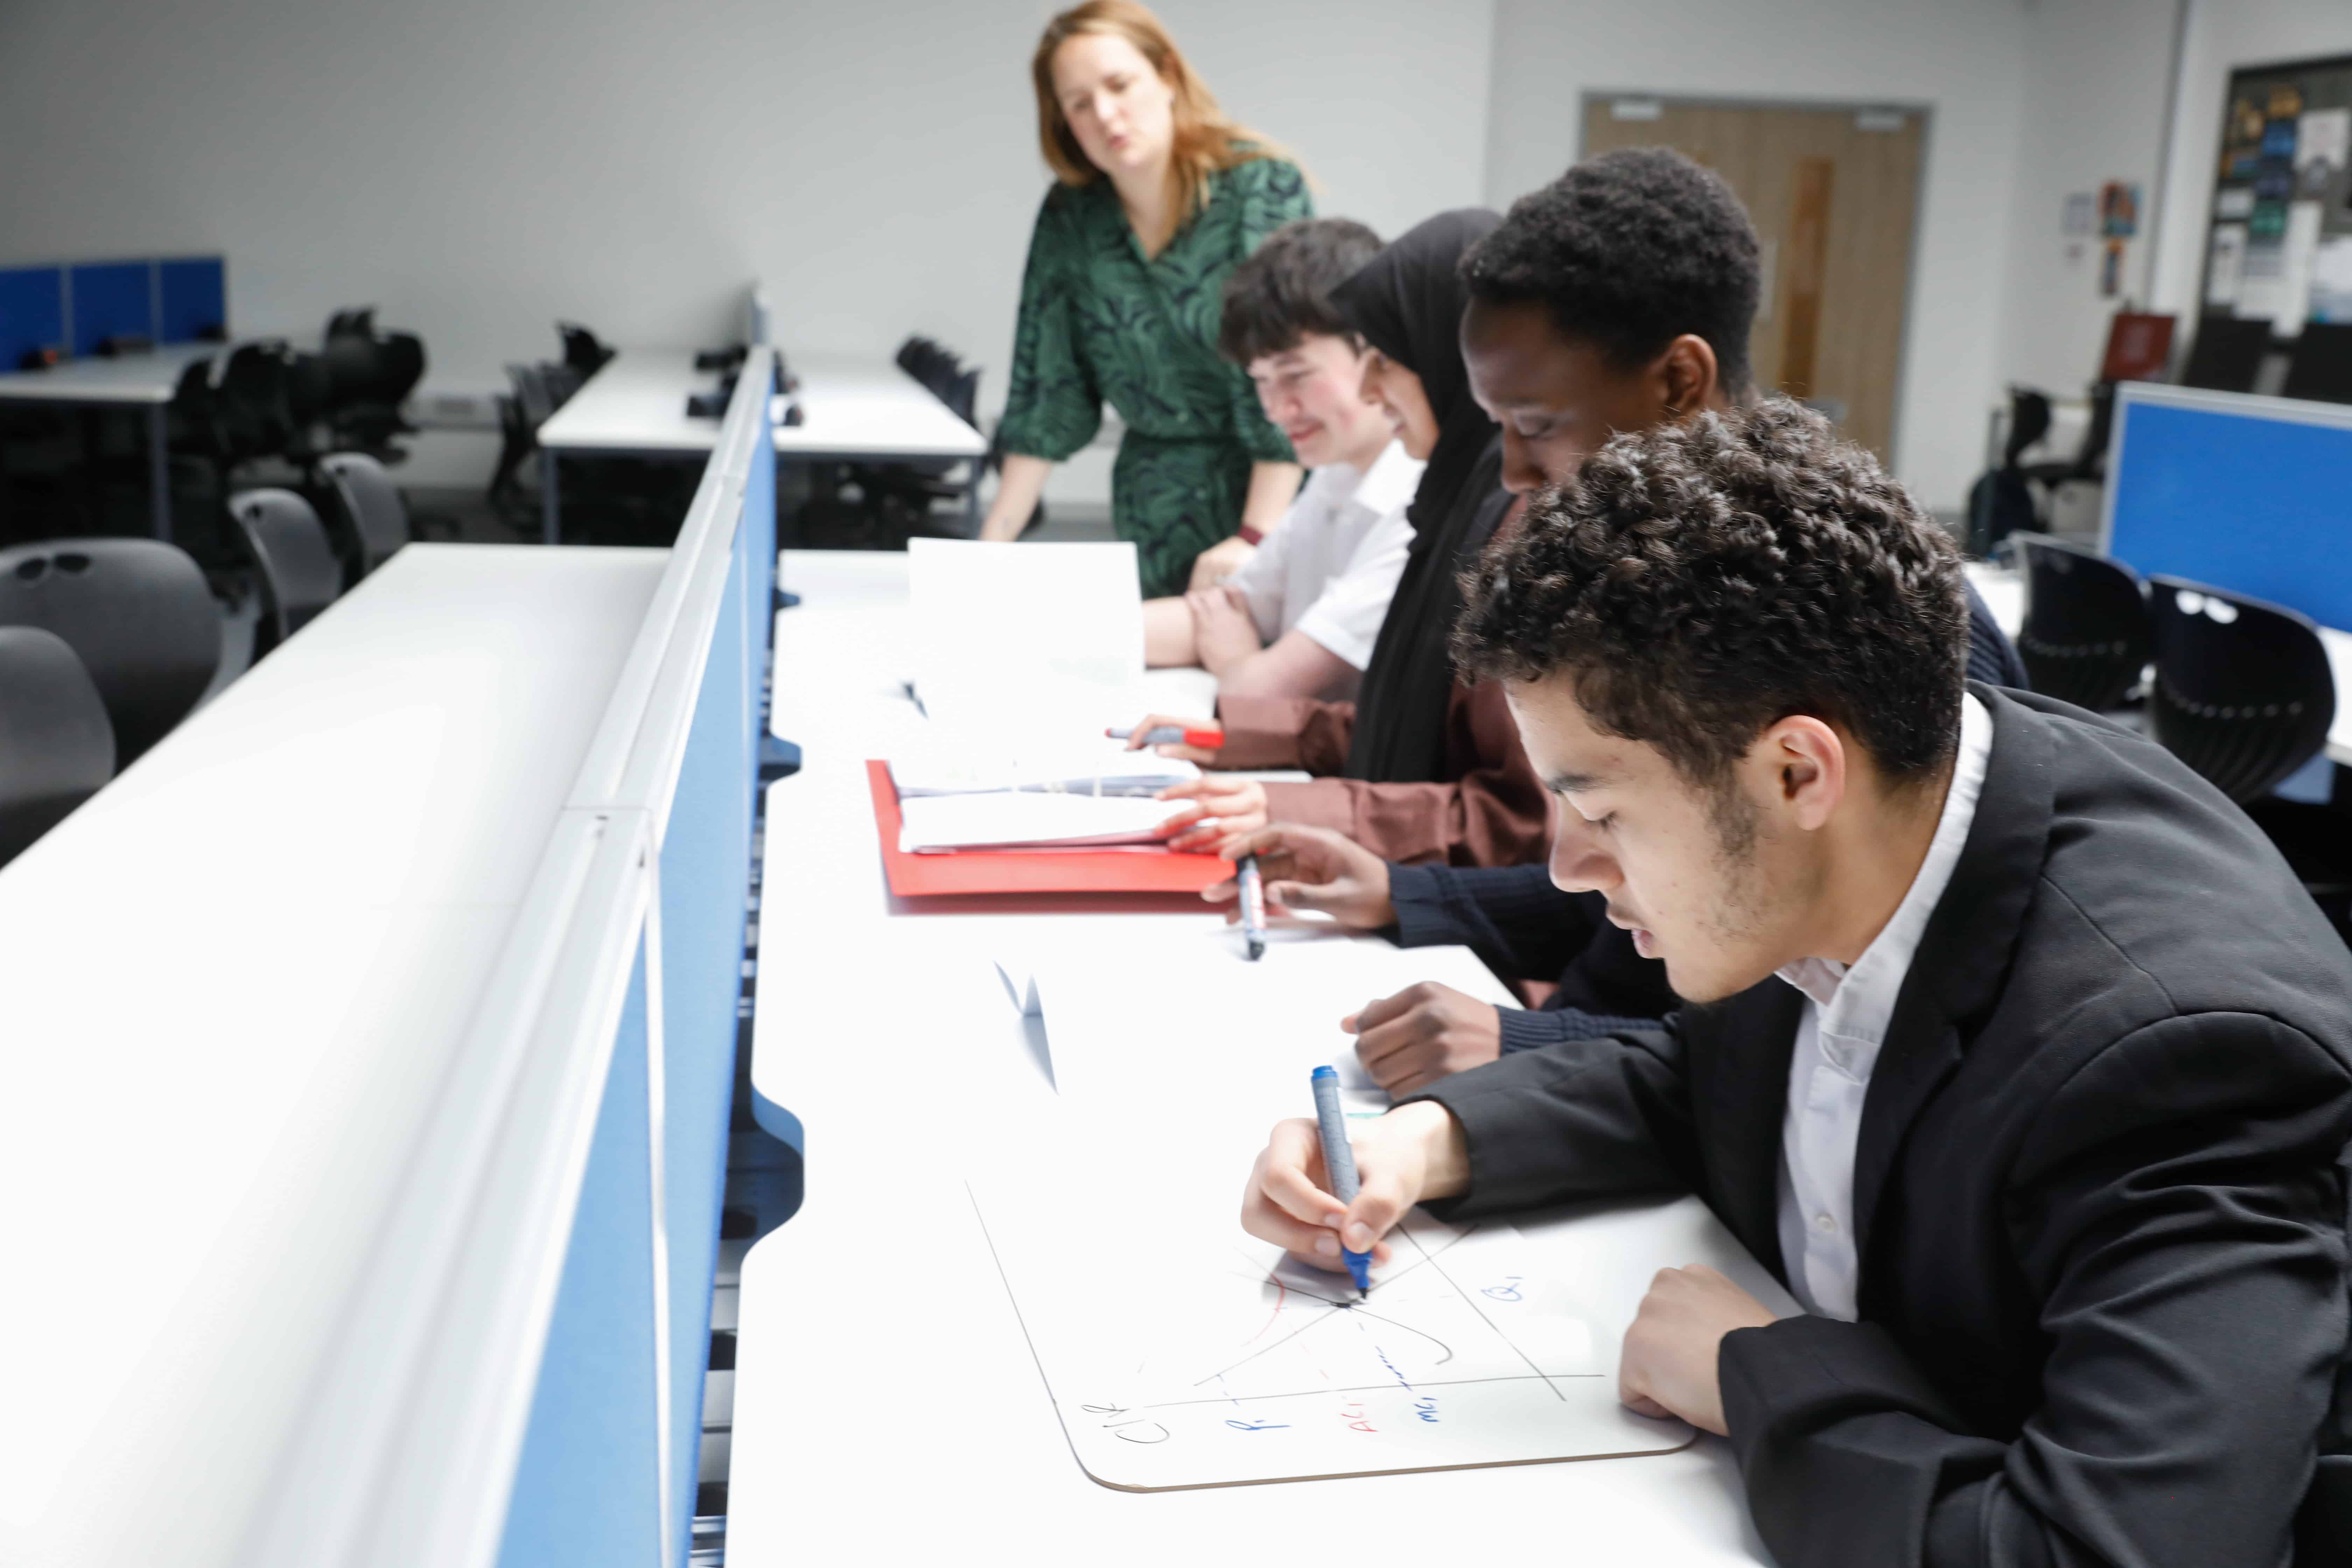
(1387, 485)
(1857, 1002)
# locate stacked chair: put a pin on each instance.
(880, 506)
(57, 749)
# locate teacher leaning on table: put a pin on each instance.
(1157, 197)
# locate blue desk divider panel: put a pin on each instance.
(2251, 494)
(586, 1488)
(192, 300)
(32, 312)
(705, 856)
(110, 299)
(619, 1384)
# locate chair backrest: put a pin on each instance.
(371, 504)
(2085, 636)
(400, 365)
(298, 573)
(249, 401)
(57, 749)
(2090, 456)
(2227, 354)
(2322, 366)
(138, 614)
(582, 350)
(2029, 421)
(2243, 691)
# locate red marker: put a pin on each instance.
(1170, 734)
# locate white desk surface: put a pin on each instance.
(889, 1034)
(134, 379)
(852, 407)
(2004, 595)
(235, 982)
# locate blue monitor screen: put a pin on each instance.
(32, 312)
(2240, 494)
(111, 299)
(194, 300)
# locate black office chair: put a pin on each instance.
(138, 614)
(57, 749)
(374, 514)
(2085, 638)
(299, 577)
(251, 417)
(2322, 367)
(372, 373)
(2242, 693)
(2227, 354)
(2002, 501)
(582, 350)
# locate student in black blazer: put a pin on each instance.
(2011, 1045)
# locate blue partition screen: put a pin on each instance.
(705, 856)
(2243, 493)
(192, 300)
(585, 1489)
(111, 299)
(32, 312)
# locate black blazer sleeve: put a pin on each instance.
(2178, 1188)
(1578, 1118)
(1511, 916)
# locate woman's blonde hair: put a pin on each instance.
(1205, 141)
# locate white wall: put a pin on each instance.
(2097, 74)
(479, 168)
(1963, 58)
(2222, 36)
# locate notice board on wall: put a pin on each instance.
(2278, 244)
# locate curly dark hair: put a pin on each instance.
(1282, 290)
(1630, 250)
(1701, 581)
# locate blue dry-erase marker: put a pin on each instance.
(1253, 891)
(1339, 1160)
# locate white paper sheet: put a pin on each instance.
(1025, 640)
(2225, 265)
(1080, 767)
(947, 822)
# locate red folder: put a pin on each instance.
(1136, 870)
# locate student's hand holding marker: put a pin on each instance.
(1312, 869)
(1414, 1152)
(1190, 748)
(1423, 1033)
(1224, 809)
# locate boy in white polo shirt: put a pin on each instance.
(1299, 618)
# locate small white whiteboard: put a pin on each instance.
(1212, 1360)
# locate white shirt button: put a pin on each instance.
(1824, 1223)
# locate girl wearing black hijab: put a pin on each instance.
(1426, 769)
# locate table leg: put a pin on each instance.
(550, 506)
(159, 471)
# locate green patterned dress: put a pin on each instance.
(1099, 322)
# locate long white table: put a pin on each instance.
(240, 985)
(886, 1404)
(851, 407)
(144, 381)
(2003, 590)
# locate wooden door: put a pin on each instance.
(1833, 193)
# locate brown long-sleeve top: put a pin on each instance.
(1494, 813)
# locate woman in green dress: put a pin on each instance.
(1158, 197)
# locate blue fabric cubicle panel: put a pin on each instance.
(32, 312)
(191, 297)
(2239, 497)
(111, 299)
(586, 1488)
(705, 856)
